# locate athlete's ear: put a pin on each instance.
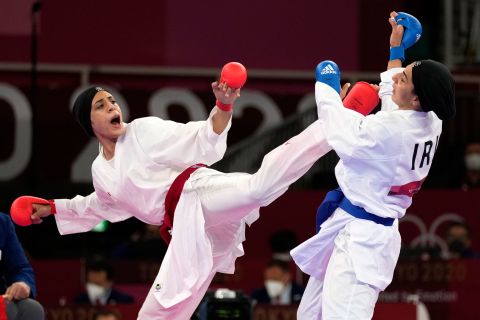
(415, 102)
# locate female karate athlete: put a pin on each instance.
(151, 168)
(384, 159)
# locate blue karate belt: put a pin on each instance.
(336, 199)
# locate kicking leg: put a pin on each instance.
(238, 194)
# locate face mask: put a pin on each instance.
(472, 161)
(274, 288)
(95, 292)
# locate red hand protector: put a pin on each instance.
(3, 309)
(22, 209)
(234, 74)
(361, 98)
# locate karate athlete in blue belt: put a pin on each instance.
(384, 159)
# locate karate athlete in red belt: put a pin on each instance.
(150, 168)
(384, 158)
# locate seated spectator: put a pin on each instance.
(471, 178)
(17, 281)
(106, 315)
(281, 242)
(140, 245)
(278, 289)
(421, 252)
(99, 286)
(459, 240)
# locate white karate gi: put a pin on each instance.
(212, 211)
(383, 160)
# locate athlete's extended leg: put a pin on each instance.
(237, 194)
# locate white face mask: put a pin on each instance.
(95, 292)
(472, 161)
(274, 288)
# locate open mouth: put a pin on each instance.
(115, 120)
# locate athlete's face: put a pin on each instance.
(403, 90)
(106, 116)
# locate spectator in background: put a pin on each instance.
(106, 315)
(99, 286)
(471, 178)
(278, 289)
(459, 241)
(281, 242)
(17, 281)
(140, 245)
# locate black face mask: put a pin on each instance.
(457, 246)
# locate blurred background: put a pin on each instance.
(158, 58)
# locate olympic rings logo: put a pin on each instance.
(428, 237)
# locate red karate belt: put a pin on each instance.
(3, 309)
(171, 201)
